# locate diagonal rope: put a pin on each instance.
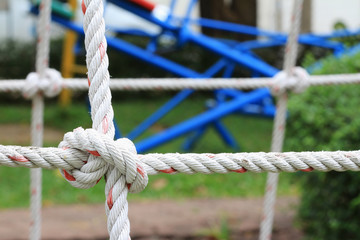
(280, 123)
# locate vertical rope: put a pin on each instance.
(280, 123)
(42, 60)
(102, 114)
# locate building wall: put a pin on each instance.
(325, 13)
(17, 24)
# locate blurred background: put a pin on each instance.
(320, 205)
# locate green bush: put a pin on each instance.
(328, 118)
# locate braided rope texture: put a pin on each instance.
(196, 84)
(72, 156)
(278, 135)
(84, 156)
(102, 116)
(37, 118)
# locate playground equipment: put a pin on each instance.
(231, 54)
(86, 155)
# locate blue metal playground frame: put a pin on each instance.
(231, 54)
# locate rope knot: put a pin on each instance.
(99, 152)
(296, 82)
(50, 84)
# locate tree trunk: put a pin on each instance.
(306, 16)
(236, 11)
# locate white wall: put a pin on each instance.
(18, 24)
(325, 13)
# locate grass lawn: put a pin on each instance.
(253, 134)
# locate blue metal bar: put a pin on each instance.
(172, 103)
(215, 68)
(161, 112)
(338, 33)
(226, 135)
(137, 52)
(189, 143)
(238, 57)
(229, 70)
(188, 12)
(199, 120)
(172, 7)
(237, 28)
(134, 32)
(316, 41)
(151, 58)
(255, 44)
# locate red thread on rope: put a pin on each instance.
(240, 170)
(109, 199)
(310, 169)
(98, 180)
(68, 176)
(168, 171)
(19, 158)
(83, 7)
(95, 153)
(140, 170)
(102, 51)
(88, 81)
(105, 124)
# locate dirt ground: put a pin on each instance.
(19, 134)
(196, 219)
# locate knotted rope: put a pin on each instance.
(50, 84)
(120, 153)
(102, 116)
(73, 160)
(297, 82)
(289, 74)
(86, 155)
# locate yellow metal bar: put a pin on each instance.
(68, 59)
(80, 69)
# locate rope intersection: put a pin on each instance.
(85, 156)
(74, 151)
(199, 84)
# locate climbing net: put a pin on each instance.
(86, 155)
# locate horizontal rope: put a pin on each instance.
(186, 83)
(206, 163)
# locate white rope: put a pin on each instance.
(278, 135)
(42, 60)
(102, 116)
(297, 82)
(74, 151)
(86, 155)
(49, 84)
(126, 84)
